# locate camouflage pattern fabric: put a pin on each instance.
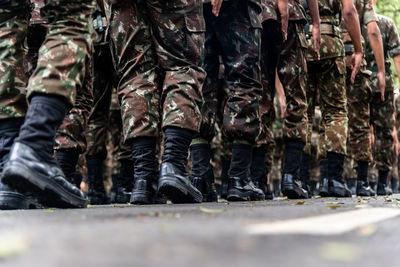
(391, 48)
(289, 59)
(98, 124)
(71, 133)
(13, 27)
(176, 43)
(359, 94)
(235, 36)
(382, 112)
(359, 97)
(327, 81)
(64, 77)
(328, 77)
(382, 118)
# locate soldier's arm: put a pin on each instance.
(284, 13)
(353, 27)
(281, 95)
(316, 33)
(216, 6)
(375, 39)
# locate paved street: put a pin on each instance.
(316, 232)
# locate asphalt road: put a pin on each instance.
(316, 232)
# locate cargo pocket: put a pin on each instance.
(195, 37)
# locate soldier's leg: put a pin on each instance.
(238, 32)
(13, 104)
(134, 60)
(333, 100)
(383, 121)
(292, 71)
(312, 94)
(359, 97)
(52, 91)
(178, 34)
(71, 135)
(202, 172)
(98, 124)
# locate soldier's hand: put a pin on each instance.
(382, 83)
(284, 11)
(216, 6)
(316, 35)
(282, 105)
(356, 60)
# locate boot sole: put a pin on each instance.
(293, 192)
(178, 192)
(13, 201)
(140, 198)
(237, 195)
(49, 193)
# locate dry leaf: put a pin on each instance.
(333, 207)
(210, 211)
(300, 203)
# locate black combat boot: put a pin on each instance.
(145, 169)
(383, 188)
(124, 182)
(277, 187)
(31, 167)
(324, 184)
(202, 174)
(258, 170)
(68, 159)
(9, 198)
(304, 172)
(174, 182)
(291, 184)
(395, 186)
(337, 184)
(97, 193)
(363, 188)
(225, 163)
(241, 188)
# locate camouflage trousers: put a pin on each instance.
(289, 59)
(235, 37)
(382, 119)
(13, 27)
(105, 123)
(358, 98)
(328, 77)
(71, 133)
(158, 43)
(69, 35)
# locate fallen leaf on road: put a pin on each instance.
(333, 207)
(48, 210)
(210, 211)
(398, 199)
(12, 245)
(316, 197)
(90, 206)
(300, 203)
(337, 251)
